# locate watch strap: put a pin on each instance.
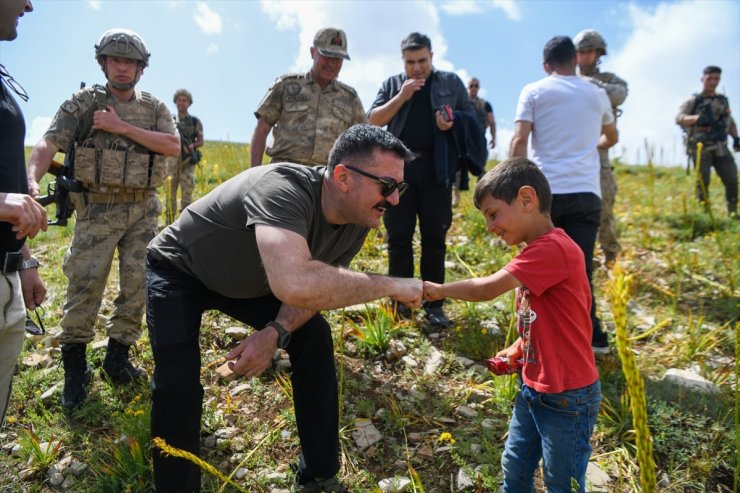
(31, 263)
(283, 334)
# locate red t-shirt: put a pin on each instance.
(553, 314)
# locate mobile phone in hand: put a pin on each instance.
(447, 114)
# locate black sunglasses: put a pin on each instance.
(389, 184)
(12, 83)
(36, 328)
(473, 85)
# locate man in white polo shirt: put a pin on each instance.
(569, 119)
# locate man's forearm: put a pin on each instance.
(381, 115)
(292, 317)
(518, 147)
(40, 159)
(159, 142)
(324, 287)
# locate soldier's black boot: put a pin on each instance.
(76, 375)
(118, 367)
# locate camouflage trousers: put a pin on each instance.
(608, 227)
(183, 176)
(100, 230)
(719, 157)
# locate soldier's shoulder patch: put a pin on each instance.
(292, 87)
(70, 106)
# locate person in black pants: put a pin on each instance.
(416, 106)
(270, 247)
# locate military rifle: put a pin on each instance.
(189, 152)
(58, 191)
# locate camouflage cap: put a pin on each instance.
(331, 42)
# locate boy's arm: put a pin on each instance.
(475, 289)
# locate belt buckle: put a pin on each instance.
(12, 262)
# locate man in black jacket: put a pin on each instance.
(421, 107)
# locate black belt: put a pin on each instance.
(11, 262)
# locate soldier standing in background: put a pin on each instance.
(706, 117)
(484, 109)
(590, 47)
(20, 216)
(191, 138)
(309, 111)
(120, 162)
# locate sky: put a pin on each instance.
(228, 53)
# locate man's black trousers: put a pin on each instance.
(175, 303)
(432, 203)
(579, 215)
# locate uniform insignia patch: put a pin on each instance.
(293, 88)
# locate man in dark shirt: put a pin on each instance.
(20, 216)
(414, 107)
(285, 234)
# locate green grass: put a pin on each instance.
(685, 264)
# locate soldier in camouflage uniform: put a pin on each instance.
(706, 118)
(309, 111)
(590, 47)
(120, 162)
(191, 138)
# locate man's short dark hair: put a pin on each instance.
(559, 51)
(358, 143)
(505, 180)
(416, 41)
(712, 69)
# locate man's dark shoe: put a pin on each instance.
(118, 367)
(318, 485)
(76, 375)
(436, 316)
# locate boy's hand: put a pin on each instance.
(432, 291)
(512, 352)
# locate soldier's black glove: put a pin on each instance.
(736, 144)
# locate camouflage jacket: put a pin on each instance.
(306, 119)
(106, 161)
(615, 87)
(715, 119)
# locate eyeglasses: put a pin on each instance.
(12, 83)
(473, 85)
(389, 184)
(34, 328)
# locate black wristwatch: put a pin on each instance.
(283, 334)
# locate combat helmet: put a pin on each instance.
(590, 39)
(182, 92)
(122, 43)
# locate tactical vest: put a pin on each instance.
(713, 123)
(108, 162)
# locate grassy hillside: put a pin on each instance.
(683, 267)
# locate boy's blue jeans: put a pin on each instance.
(556, 428)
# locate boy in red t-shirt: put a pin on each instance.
(555, 411)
